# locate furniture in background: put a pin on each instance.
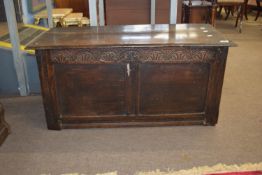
(131, 75)
(84, 22)
(75, 19)
(254, 5)
(125, 12)
(230, 4)
(72, 19)
(4, 127)
(258, 8)
(58, 14)
(199, 11)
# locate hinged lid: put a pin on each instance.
(131, 35)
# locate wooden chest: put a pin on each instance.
(136, 75)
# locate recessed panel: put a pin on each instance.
(173, 88)
(91, 89)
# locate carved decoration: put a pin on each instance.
(109, 57)
(138, 54)
(131, 55)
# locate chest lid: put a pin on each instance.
(131, 35)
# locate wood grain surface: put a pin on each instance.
(108, 81)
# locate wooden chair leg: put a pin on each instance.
(227, 13)
(218, 14)
(240, 17)
(258, 14)
(220, 10)
(213, 15)
(246, 15)
(245, 10)
(232, 10)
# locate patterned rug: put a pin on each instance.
(240, 173)
(220, 169)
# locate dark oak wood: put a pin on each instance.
(127, 35)
(77, 5)
(173, 88)
(140, 75)
(124, 12)
(127, 12)
(4, 127)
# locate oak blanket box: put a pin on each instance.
(131, 75)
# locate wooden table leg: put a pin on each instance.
(245, 10)
(240, 17)
(213, 15)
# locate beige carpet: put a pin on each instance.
(31, 149)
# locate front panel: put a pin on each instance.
(91, 90)
(140, 86)
(173, 88)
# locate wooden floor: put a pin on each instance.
(4, 28)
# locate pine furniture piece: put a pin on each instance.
(57, 13)
(75, 19)
(4, 127)
(72, 19)
(84, 22)
(131, 75)
(199, 11)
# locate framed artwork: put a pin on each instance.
(36, 5)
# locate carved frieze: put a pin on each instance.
(133, 54)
